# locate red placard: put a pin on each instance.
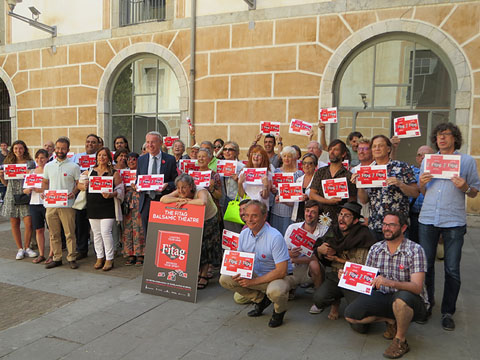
(282, 178)
(270, 127)
(100, 184)
(187, 215)
(290, 192)
(169, 140)
(407, 126)
(303, 239)
(128, 176)
(150, 182)
(230, 240)
(201, 178)
(188, 164)
(237, 262)
(33, 181)
(254, 175)
(357, 277)
(86, 161)
(227, 167)
(442, 166)
(172, 250)
(328, 115)
(335, 188)
(300, 165)
(15, 171)
(300, 127)
(55, 198)
(372, 176)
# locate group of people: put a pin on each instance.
(395, 228)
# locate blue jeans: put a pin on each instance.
(453, 243)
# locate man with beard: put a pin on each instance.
(348, 240)
(62, 174)
(337, 150)
(400, 295)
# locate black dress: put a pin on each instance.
(97, 206)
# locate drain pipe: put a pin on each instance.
(193, 33)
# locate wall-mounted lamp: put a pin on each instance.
(364, 99)
(33, 21)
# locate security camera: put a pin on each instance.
(13, 3)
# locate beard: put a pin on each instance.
(394, 235)
(61, 155)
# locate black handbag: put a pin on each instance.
(21, 199)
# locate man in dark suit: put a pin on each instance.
(155, 162)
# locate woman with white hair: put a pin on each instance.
(281, 212)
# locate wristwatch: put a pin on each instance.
(468, 190)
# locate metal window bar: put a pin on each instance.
(139, 11)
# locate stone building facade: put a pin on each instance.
(283, 60)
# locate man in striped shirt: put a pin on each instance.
(400, 295)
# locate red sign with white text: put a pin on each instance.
(335, 188)
(442, 166)
(187, 215)
(86, 161)
(55, 198)
(237, 262)
(372, 176)
(282, 178)
(188, 164)
(303, 239)
(230, 240)
(15, 171)
(172, 250)
(100, 184)
(169, 140)
(201, 178)
(328, 115)
(226, 168)
(407, 126)
(299, 127)
(357, 277)
(128, 176)
(290, 192)
(270, 127)
(150, 182)
(254, 175)
(33, 181)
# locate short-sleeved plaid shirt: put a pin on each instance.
(408, 259)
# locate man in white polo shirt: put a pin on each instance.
(62, 174)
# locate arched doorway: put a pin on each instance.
(144, 97)
(391, 76)
(5, 120)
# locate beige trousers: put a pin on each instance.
(56, 219)
(277, 290)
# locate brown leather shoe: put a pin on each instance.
(73, 265)
(391, 331)
(99, 264)
(108, 265)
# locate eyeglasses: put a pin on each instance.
(228, 149)
(391, 225)
(217, 146)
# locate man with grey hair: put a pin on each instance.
(155, 162)
(272, 278)
(315, 148)
(178, 149)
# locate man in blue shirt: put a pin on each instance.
(443, 213)
(272, 269)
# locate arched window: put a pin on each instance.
(145, 97)
(5, 121)
(393, 76)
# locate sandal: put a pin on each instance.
(49, 260)
(201, 286)
(131, 261)
(396, 349)
(139, 261)
(39, 259)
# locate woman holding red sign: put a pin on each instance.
(133, 236)
(14, 206)
(188, 193)
(101, 208)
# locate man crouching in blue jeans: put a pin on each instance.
(272, 267)
(400, 296)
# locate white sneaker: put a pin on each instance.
(20, 254)
(315, 310)
(30, 253)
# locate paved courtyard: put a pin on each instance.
(86, 314)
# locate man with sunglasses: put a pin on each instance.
(443, 214)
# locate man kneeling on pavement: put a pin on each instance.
(347, 240)
(400, 296)
(272, 270)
